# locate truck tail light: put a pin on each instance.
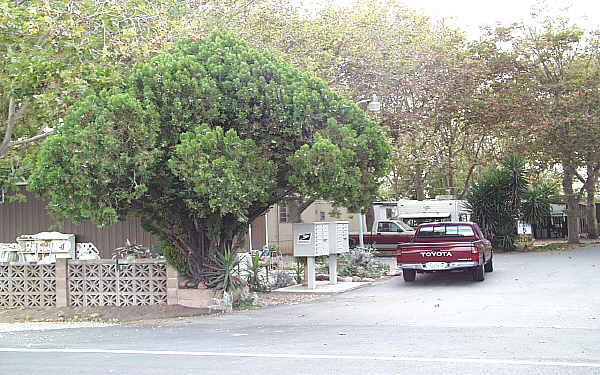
(399, 251)
(475, 253)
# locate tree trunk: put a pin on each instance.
(419, 184)
(450, 171)
(591, 217)
(572, 209)
(450, 181)
(198, 247)
(591, 204)
(293, 210)
(296, 207)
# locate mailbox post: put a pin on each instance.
(321, 238)
(338, 244)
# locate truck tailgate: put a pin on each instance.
(434, 252)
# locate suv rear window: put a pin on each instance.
(450, 230)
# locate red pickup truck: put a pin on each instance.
(446, 246)
(385, 236)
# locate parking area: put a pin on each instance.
(537, 313)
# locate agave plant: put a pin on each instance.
(222, 271)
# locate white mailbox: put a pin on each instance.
(322, 238)
(338, 235)
(311, 239)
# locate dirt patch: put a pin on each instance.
(99, 313)
(133, 313)
(268, 299)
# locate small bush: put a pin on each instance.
(553, 247)
(282, 279)
(362, 262)
(246, 301)
(253, 276)
(131, 249)
(322, 268)
(173, 257)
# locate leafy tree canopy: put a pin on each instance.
(52, 52)
(203, 138)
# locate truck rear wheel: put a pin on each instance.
(489, 266)
(479, 273)
(409, 275)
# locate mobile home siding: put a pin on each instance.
(31, 217)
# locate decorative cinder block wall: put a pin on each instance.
(96, 283)
(28, 285)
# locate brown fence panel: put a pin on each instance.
(31, 217)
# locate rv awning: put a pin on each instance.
(425, 214)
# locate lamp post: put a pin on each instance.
(373, 106)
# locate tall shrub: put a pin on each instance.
(495, 201)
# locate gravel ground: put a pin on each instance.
(111, 314)
(268, 299)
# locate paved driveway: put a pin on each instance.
(537, 313)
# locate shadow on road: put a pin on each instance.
(457, 279)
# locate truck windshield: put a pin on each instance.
(446, 230)
(404, 226)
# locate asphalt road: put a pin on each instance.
(537, 313)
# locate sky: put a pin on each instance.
(470, 14)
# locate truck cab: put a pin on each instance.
(385, 235)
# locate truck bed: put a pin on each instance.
(451, 250)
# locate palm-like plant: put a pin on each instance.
(495, 201)
(222, 271)
(536, 204)
(253, 273)
(515, 183)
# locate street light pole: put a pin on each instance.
(361, 239)
(373, 106)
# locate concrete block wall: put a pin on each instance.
(96, 283)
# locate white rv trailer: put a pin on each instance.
(414, 212)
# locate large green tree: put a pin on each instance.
(202, 139)
(426, 74)
(550, 93)
(52, 52)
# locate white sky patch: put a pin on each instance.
(469, 15)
